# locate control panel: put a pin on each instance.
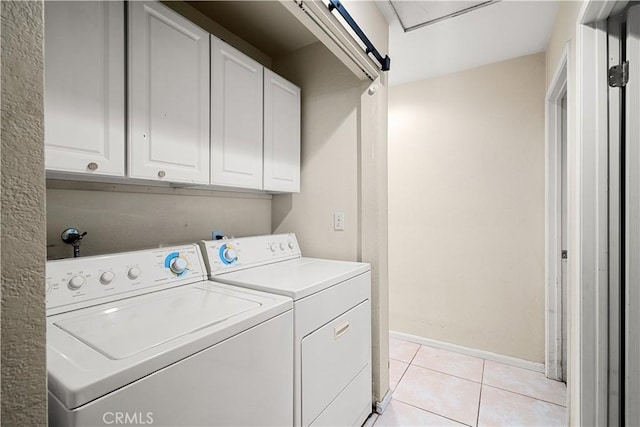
(80, 282)
(236, 254)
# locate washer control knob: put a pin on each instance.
(282, 246)
(230, 255)
(290, 244)
(178, 265)
(76, 283)
(133, 273)
(107, 277)
(48, 287)
(273, 247)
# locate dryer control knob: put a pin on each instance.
(178, 265)
(230, 255)
(282, 246)
(107, 277)
(76, 283)
(273, 247)
(290, 244)
(133, 273)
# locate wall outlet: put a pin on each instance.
(338, 221)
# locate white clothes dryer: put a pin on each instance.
(143, 338)
(332, 326)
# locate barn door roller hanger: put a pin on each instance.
(370, 48)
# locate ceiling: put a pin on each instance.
(497, 32)
(414, 14)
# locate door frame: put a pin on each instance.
(558, 88)
(589, 303)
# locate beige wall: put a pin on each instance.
(23, 368)
(123, 217)
(564, 34)
(218, 30)
(329, 157)
(373, 200)
(466, 208)
(564, 31)
(344, 169)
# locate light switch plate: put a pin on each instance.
(338, 221)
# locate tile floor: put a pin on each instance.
(433, 387)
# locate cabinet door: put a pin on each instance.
(168, 96)
(84, 124)
(281, 134)
(236, 117)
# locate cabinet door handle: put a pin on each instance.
(340, 330)
(92, 166)
(162, 174)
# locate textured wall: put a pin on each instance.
(466, 208)
(121, 218)
(23, 368)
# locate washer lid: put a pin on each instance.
(121, 332)
(96, 350)
(297, 278)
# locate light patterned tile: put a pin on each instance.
(396, 370)
(402, 350)
(451, 363)
(401, 414)
(524, 381)
(503, 408)
(442, 394)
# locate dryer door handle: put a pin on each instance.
(340, 330)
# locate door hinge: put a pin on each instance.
(619, 75)
(565, 254)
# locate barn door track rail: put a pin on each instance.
(385, 62)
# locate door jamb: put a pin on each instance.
(588, 371)
(558, 89)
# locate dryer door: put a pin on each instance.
(332, 357)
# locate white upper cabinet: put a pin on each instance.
(84, 92)
(236, 117)
(168, 96)
(281, 134)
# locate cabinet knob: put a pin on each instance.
(92, 166)
(162, 174)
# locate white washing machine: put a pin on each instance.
(332, 327)
(144, 338)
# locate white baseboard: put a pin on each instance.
(507, 360)
(382, 405)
